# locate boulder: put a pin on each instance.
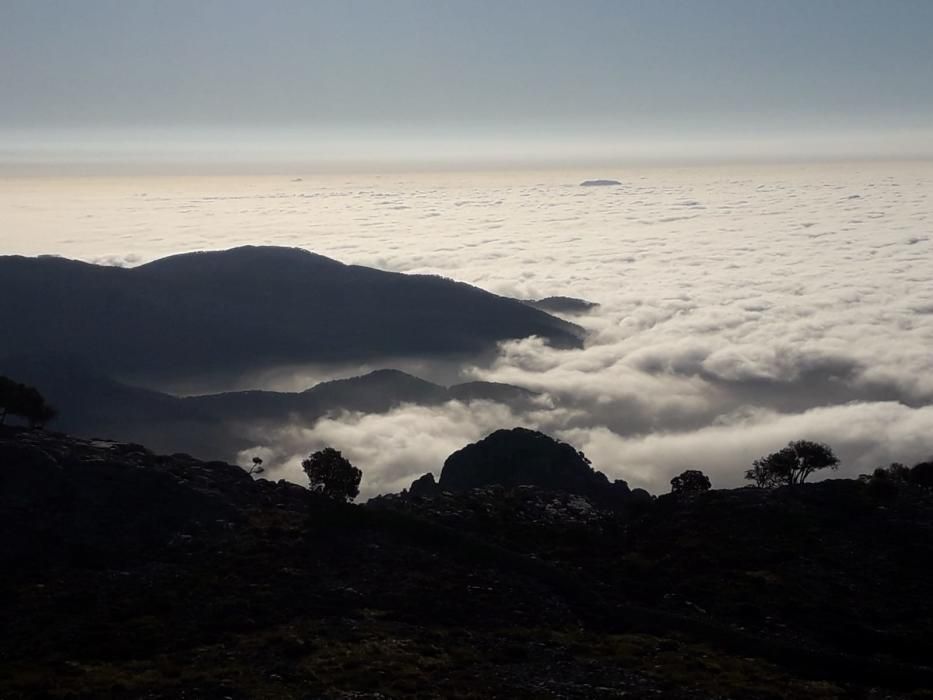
(522, 457)
(424, 486)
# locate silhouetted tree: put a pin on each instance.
(887, 481)
(691, 481)
(25, 402)
(257, 466)
(332, 474)
(792, 465)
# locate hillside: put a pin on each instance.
(220, 425)
(125, 574)
(249, 308)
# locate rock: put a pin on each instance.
(28, 476)
(639, 500)
(522, 457)
(424, 486)
(63, 494)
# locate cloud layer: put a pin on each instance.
(740, 307)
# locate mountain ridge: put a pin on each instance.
(251, 308)
(90, 403)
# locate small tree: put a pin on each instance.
(24, 401)
(332, 474)
(691, 481)
(257, 466)
(792, 465)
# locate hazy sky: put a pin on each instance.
(268, 75)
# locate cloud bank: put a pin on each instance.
(740, 307)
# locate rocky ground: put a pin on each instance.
(131, 575)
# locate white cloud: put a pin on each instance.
(758, 319)
(392, 449)
(864, 435)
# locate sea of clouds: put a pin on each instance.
(740, 307)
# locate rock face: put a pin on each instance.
(522, 457)
(424, 486)
(100, 499)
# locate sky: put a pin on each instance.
(233, 82)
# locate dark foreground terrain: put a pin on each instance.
(131, 575)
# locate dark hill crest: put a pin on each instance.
(251, 308)
(523, 457)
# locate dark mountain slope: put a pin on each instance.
(492, 391)
(247, 308)
(375, 392)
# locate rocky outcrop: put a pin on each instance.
(424, 487)
(93, 499)
(523, 457)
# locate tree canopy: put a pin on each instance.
(792, 464)
(896, 474)
(331, 474)
(690, 481)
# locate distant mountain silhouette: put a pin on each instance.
(491, 391)
(563, 305)
(249, 308)
(599, 183)
(93, 405)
